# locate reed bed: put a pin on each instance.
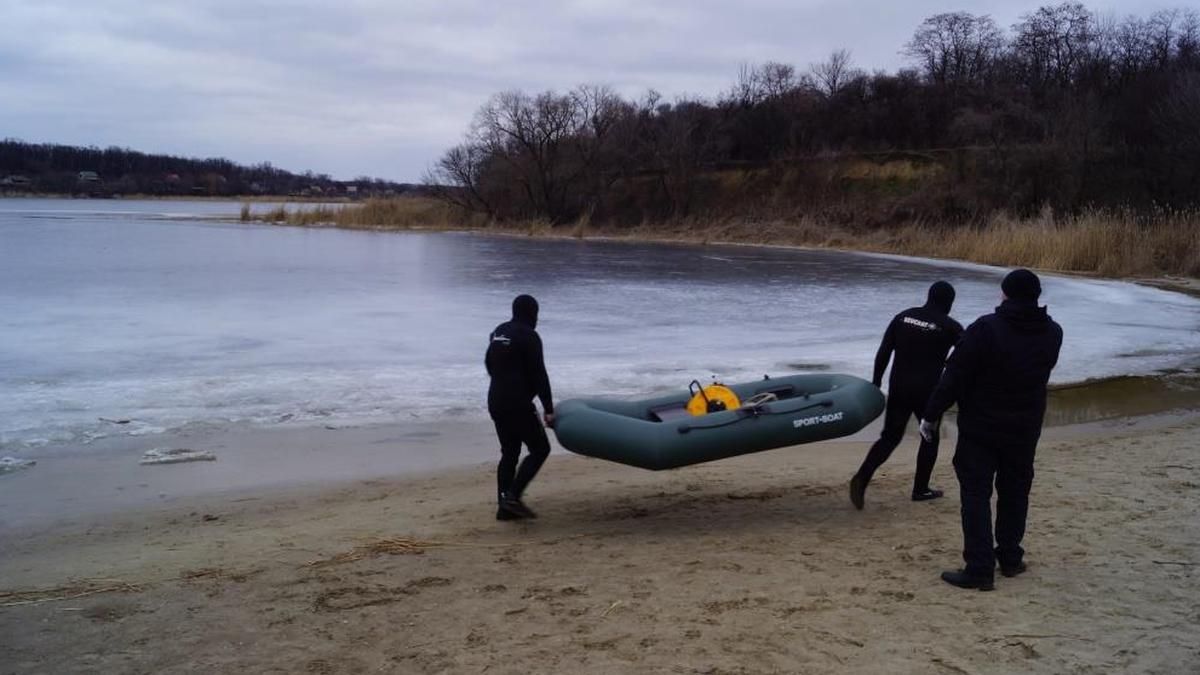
(402, 213)
(1101, 242)
(1110, 244)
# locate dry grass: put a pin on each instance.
(1104, 243)
(401, 213)
(1107, 243)
(896, 170)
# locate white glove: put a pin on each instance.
(928, 431)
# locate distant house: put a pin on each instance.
(88, 177)
(15, 180)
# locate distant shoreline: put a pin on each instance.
(233, 199)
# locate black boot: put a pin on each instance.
(515, 506)
(962, 579)
(1007, 567)
(926, 494)
(1012, 570)
(858, 491)
(505, 509)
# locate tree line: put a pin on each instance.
(1064, 109)
(64, 169)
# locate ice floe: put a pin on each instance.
(176, 456)
(11, 464)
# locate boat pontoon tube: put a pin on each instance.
(659, 434)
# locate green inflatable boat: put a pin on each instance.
(661, 433)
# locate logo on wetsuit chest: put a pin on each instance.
(923, 325)
(817, 419)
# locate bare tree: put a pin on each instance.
(833, 73)
(529, 134)
(745, 90)
(458, 177)
(956, 48)
(547, 155)
(598, 110)
(777, 79)
(1054, 43)
(679, 145)
(1187, 40)
(759, 83)
(597, 142)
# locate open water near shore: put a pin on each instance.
(172, 315)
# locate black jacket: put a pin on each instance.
(514, 362)
(998, 374)
(921, 337)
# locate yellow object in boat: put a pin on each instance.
(713, 398)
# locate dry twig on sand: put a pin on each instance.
(1047, 637)
(70, 592)
(83, 589)
(217, 573)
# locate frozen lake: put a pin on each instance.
(161, 313)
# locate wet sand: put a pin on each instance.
(751, 565)
(71, 485)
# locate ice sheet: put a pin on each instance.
(183, 322)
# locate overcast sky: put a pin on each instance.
(381, 88)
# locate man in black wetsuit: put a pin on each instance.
(998, 375)
(514, 363)
(921, 337)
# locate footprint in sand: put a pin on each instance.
(110, 611)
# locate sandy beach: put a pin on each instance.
(753, 565)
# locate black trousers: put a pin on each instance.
(981, 461)
(900, 407)
(513, 429)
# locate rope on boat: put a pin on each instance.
(751, 412)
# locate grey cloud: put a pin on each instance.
(382, 87)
